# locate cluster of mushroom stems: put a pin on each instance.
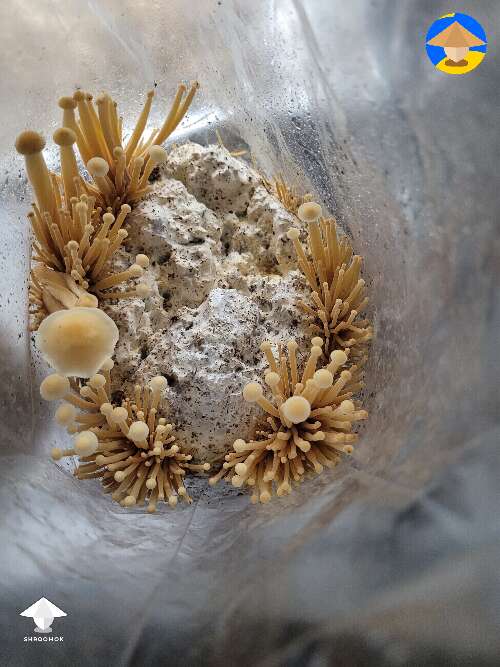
(77, 224)
(308, 425)
(130, 448)
(333, 275)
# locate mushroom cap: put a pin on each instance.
(296, 409)
(79, 96)
(135, 270)
(157, 154)
(142, 260)
(138, 431)
(78, 341)
(64, 136)
(97, 166)
(65, 414)
(97, 381)
(323, 378)
(309, 211)
(118, 415)
(66, 103)
(239, 445)
(252, 392)
(293, 233)
(316, 351)
(54, 387)
(347, 406)
(272, 379)
(339, 357)
(29, 143)
(86, 443)
(107, 365)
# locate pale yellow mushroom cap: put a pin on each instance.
(65, 414)
(240, 469)
(79, 96)
(29, 142)
(138, 431)
(108, 364)
(142, 260)
(339, 357)
(66, 103)
(316, 351)
(158, 383)
(77, 341)
(309, 211)
(135, 270)
(54, 387)
(347, 406)
(119, 415)
(323, 378)
(252, 392)
(239, 445)
(86, 443)
(296, 409)
(106, 408)
(108, 218)
(317, 341)
(157, 154)
(97, 167)
(97, 381)
(272, 379)
(293, 234)
(64, 136)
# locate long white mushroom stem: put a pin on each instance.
(130, 448)
(308, 424)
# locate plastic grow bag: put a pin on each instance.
(390, 559)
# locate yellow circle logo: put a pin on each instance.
(456, 43)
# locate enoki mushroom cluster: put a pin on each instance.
(78, 222)
(308, 425)
(120, 172)
(73, 243)
(333, 274)
(130, 447)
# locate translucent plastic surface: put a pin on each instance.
(367, 561)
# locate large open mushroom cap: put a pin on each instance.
(77, 342)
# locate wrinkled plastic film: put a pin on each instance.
(367, 558)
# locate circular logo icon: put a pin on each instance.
(456, 43)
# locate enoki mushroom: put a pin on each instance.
(309, 421)
(131, 448)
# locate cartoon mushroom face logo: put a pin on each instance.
(456, 43)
